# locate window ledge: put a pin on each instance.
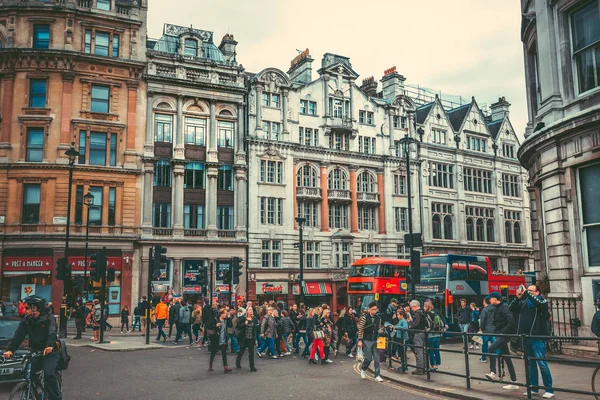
(99, 116)
(36, 111)
(272, 108)
(309, 115)
(272, 184)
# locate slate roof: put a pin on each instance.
(457, 116)
(423, 112)
(169, 43)
(494, 127)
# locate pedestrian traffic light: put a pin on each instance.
(110, 275)
(415, 266)
(237, 270)
(160, 261)
(63, 269)
(227, 275)
(98, 266)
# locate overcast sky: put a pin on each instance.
(458, 47)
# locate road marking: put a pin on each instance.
(398, 386)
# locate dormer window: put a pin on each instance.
(103, 5)
(191, 47)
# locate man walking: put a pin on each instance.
(531, 310)
(144, 307)
(486, 324)
(80, 314)
(504, 322)
(184, 323)
(174, 318)
(418, 322)
(463, 315)
(162, 313)
(368, 330)
(268, 333)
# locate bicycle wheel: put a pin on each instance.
(19, 392)
(595, 383)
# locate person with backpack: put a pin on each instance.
(531, 311)
(369, 328)
(474, 324)
(136, 319)
(185, 316)
(486, 326)
(434, 337)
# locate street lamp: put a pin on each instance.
(72, 154)
(88, 200)
(406, 141)
(300, 221)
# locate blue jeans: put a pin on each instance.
(434, 355)
(259, 340)
(234, 343)
(297, 342)
(160, 323)
(484, 346)
(268, 341)
(136, 322)
(351, 345)
(537, 349)
(285, 340)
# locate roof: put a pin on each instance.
(169, 42)
(423, 112)
(457, 116)
(494, 127)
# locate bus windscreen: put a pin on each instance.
(433, 269)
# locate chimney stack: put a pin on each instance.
(301, 68)
(369, 86)
(393, 83)
(228, 48)
(500, 109)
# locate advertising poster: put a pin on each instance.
(27, 289)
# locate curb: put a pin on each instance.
(91, 346)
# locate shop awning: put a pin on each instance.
(316, 288)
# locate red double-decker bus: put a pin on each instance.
(377, 279)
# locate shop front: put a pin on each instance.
(24, 276)
(113, 289)
(190, 288)
(276, 291)
(315, 293)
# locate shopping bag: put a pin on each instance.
(359, 354)
(381, 343)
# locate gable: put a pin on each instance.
(457, 116)
(474, 121)
(339, 68)
(423, 112)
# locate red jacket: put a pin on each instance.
(21, 309)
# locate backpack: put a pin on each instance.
(427, 321)
(64, 357)
(438, 324)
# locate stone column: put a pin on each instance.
(354, 198)
(147, 199)
(178, 171)
(131, 155)
(351, 116)
(177, 275)
(294, 173)
(8, 81)
(259, 90)
(179, 146)
(240, 152)
(212, 172)
(391, 147)
(326, 95)
(381, 192)
(324, 200)
(285, 94)
(149, 142)
(212, 134)
(240, 201)
(66, 107)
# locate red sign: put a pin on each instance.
(41, 263)
(78, 262)
(268, 288)
(389, 285)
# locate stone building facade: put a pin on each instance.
(561, 149)
(71, 74)
(194, 181)
(329, 151)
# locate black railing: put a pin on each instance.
(523, 355)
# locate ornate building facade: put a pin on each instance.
(329, 151)
(71, 75)
(194, 182)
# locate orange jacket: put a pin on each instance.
(162, 311)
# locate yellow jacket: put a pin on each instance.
(162, 311)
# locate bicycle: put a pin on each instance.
(596, 394)
(31, 387)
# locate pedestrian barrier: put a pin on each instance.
(523, 340)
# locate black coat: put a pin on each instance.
(241, 329)
(42, 332)
(504, 320)
(531, 314)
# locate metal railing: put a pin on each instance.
(523, 355)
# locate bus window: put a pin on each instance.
(433, 269)
(478, 270)
(459, 271)
(391, 271)
(363, 270)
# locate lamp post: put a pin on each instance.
(88, 200)
(301, 222)
(406, 141)
(72, 154)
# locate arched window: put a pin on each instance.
(447, 227)
(191, 47)
(436, 227)
(366, 183)
(337, 179)
(480, 230)
(470, 229)
(517, 229)
(225, 113)
(489, 233)
(306, 177)
(508, 232)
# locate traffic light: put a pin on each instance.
(63, 270)
(202, 277)
(237, 270)
(227, 275)
(98, 266)
(415, 266)
(160, 261)
(110, 275)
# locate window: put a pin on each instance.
(275, 100)
(365, 117)
(103, 5)
(115, 52)
(441, 221)
(79, 205)
(366, 183)
(271, 171)
(585, 33)
(96, 210)
(193, 216)
(339, 141)
(338, 179)
(271, 211)
(162, 173)
(271, 253)
(88, 42)
(271, 100)
(31, 204)
(476, 144)
(191, 47)
(41, 36)
(98, 148)
(102, 43)
(161, 215)
(195, 130)
(308, 136)
(476, 180)
(225, 217)
(194, 177)
(112, 205)
(397, 148)
(510, 185)
(312, 108)
(401, 218)
(369, 250)
(100, 96)
(366, 218)
(163, 128)
(225, 138)
(399, 185)
(225, 178)
(312, 254)
(35, 144)
(515, 265)
(310, 212)
(441, 175)
(96, 152)
(512, 226)
(303, 106)
(589, 193)
(266, 99)
(402, 252)
(342, 255)
(438, 136)
(306, 176)
(37, 93)
(366, 145)
(508, 150)
(480, 224)
(271, 130)
(338, 216)
(337, 107)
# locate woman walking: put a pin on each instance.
(434, 337)
(310, 324)
(318, 336)
(246, 331)
(125, 319)
(218, 340)
(474, 323)
(329, 337)
(196, 321)
(288, 327)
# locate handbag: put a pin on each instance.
(318, 334)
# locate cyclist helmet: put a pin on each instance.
(34, 300)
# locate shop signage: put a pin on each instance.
(223, 288)
(427, 288)
(271, 287)
(191, 269)
(40, 263)
(192, 289)
(78, 262)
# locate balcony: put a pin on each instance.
(339, 195)
(226, 234)
(339, 123)
(368, 198)
(195, 233)
(308, 193)
(162, 231)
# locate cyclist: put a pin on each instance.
(40, 325)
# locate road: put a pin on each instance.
(181, 373)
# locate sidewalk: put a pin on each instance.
(564, 376)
